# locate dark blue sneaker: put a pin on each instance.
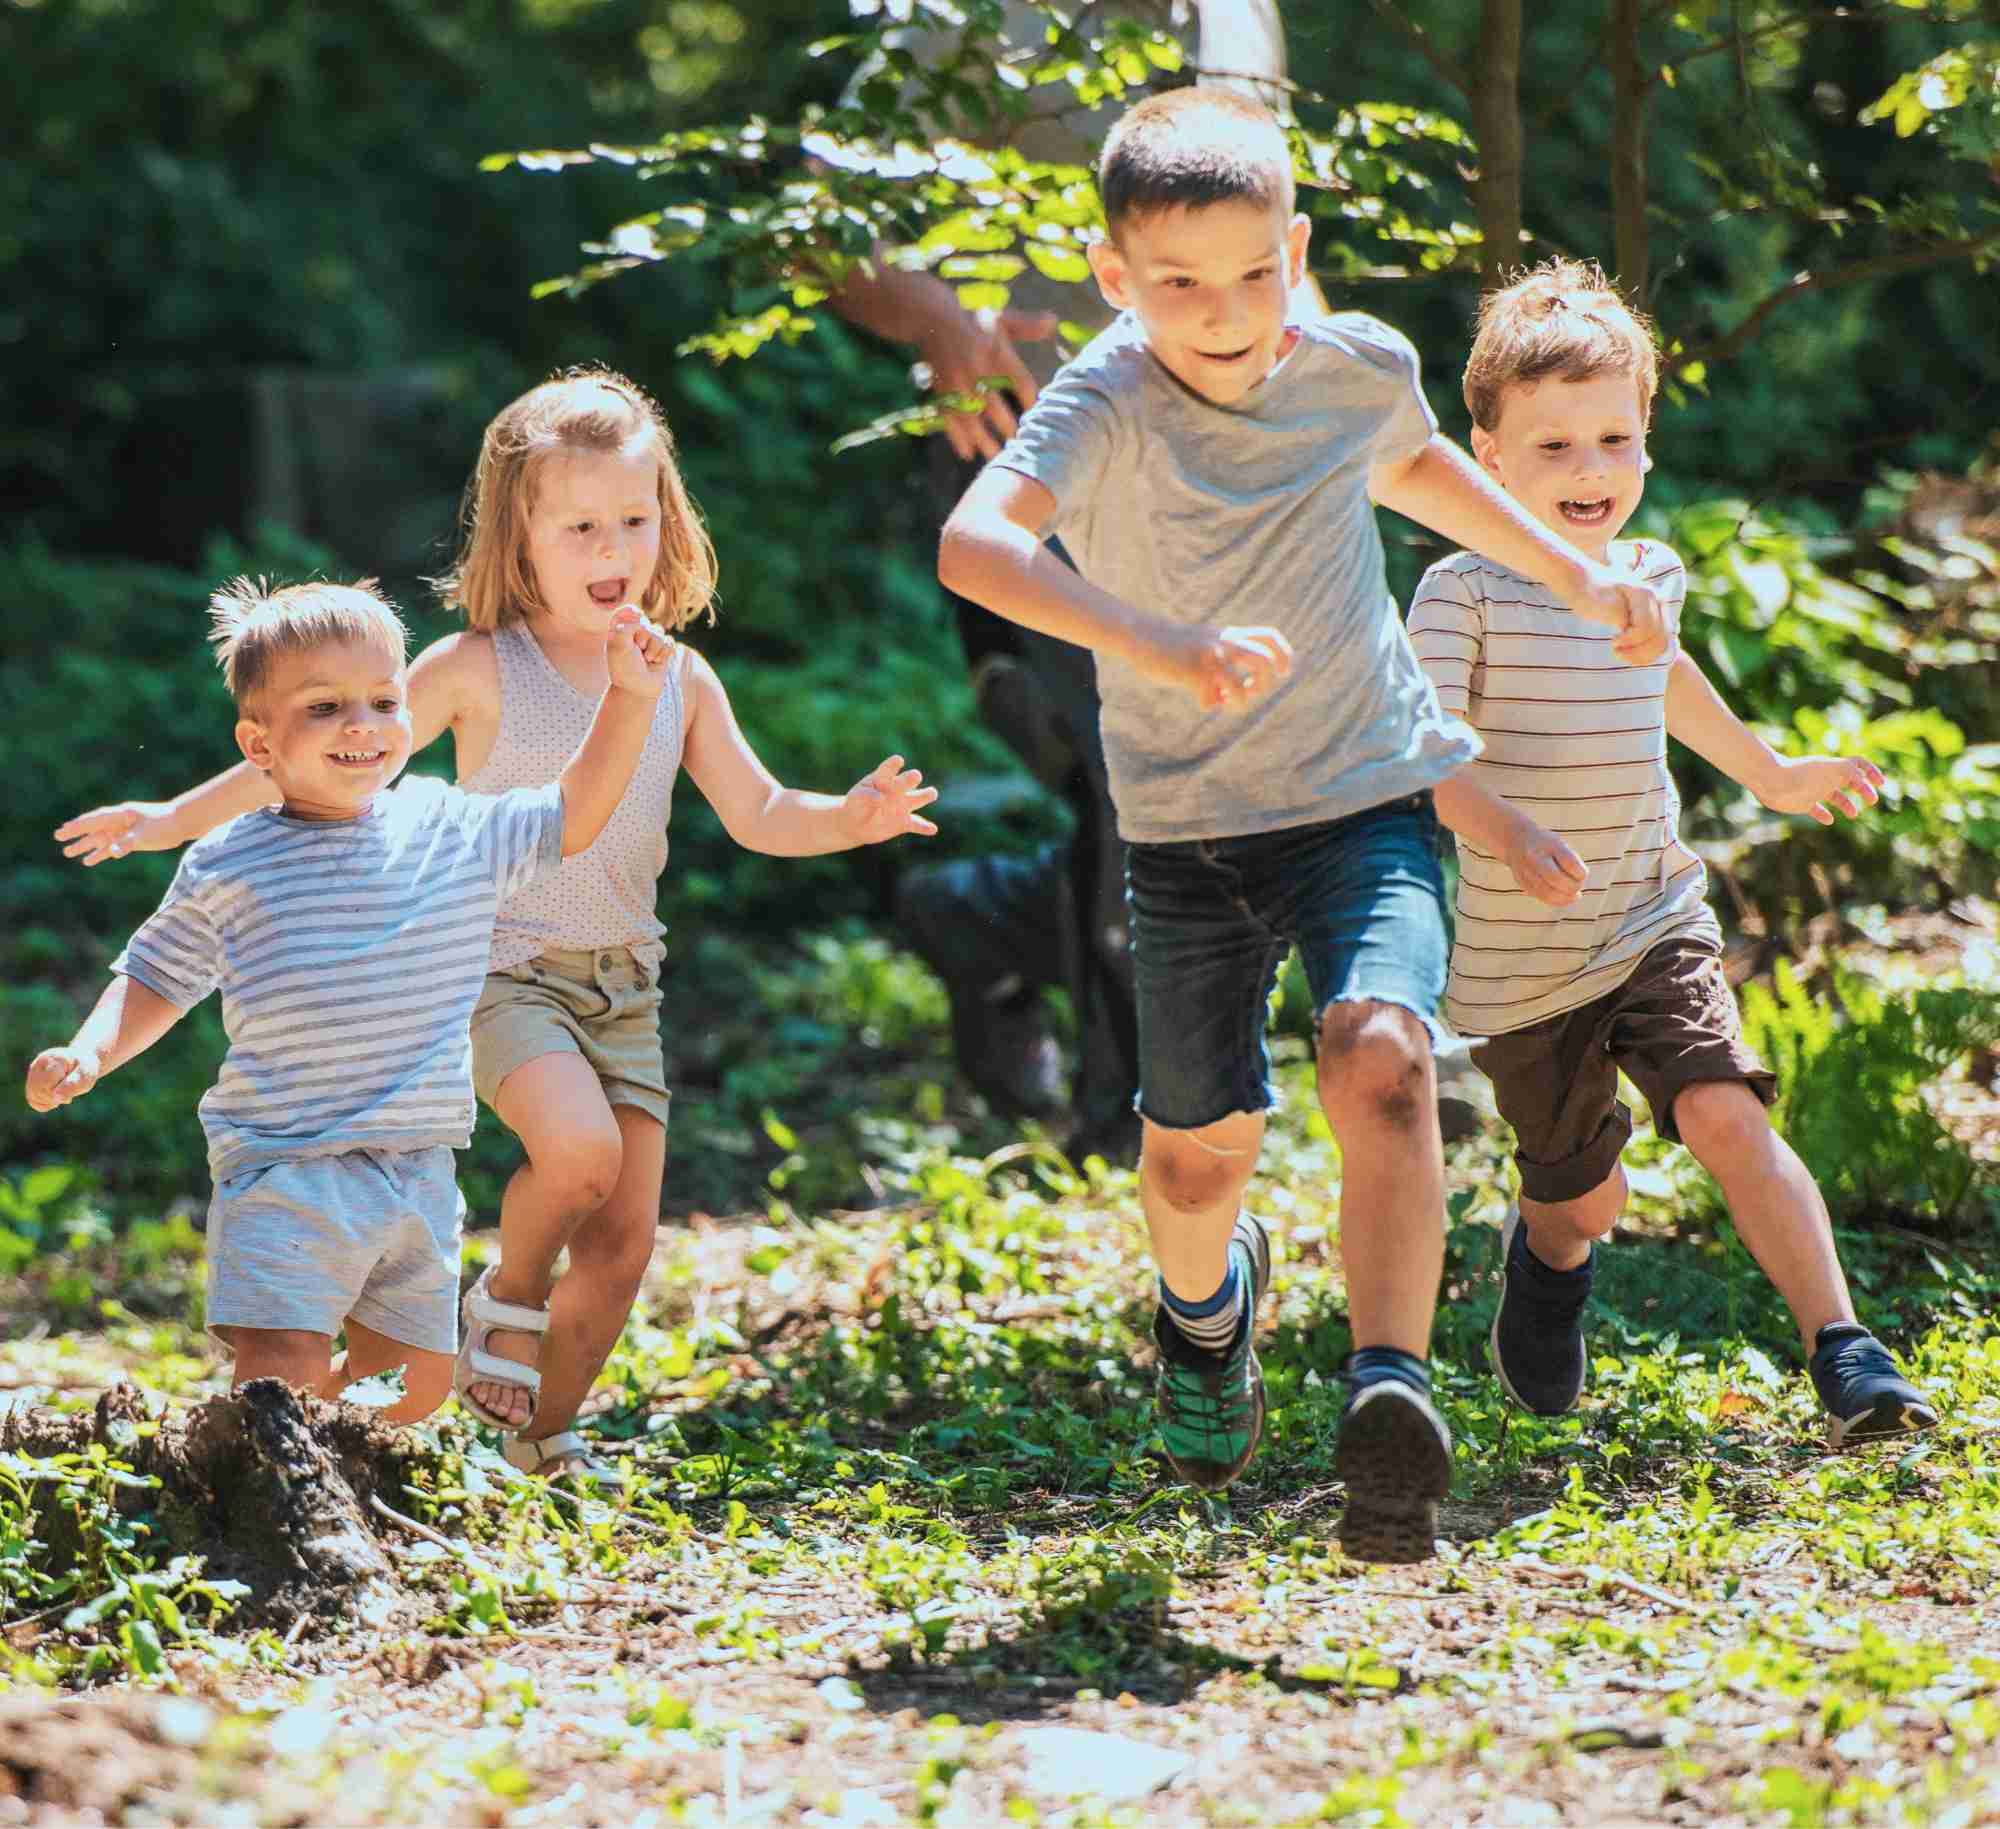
(1535, 1345)
(1866, 1398)
(1211, 1405)
(1394, 1453)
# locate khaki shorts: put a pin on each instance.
(1671, 1025)
(603, 1005)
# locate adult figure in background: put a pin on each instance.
(1001, 929)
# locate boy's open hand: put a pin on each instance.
(636, 653)
(57, 1075)
(883, 804)
(1822, 786)
(1222, 666)
(131, 825)
(1624, 604)
(1544, 866)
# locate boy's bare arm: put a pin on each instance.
(128, 1020)
(1818, 785)
(1444, 489)
(164, 825)
(1544, 866)
(992, 553)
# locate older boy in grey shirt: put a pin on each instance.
(1214, 456)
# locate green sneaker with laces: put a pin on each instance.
(1211, 1405)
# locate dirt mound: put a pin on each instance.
(271, 1489)
(96, 1756)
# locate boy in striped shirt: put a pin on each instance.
(1584, 942)
(348, 930)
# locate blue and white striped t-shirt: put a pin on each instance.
(349, 955)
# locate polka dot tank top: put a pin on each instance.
(603, 896)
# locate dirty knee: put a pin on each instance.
(1189, 1179)
(582, 1174)
(1374, 1060)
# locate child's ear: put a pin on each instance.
(1298, 236)
(1113, 277)
(1486, 448)
(254, 741)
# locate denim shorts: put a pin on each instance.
(1362, 898)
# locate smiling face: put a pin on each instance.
(593, 534)
(1572, 452)
(331, 726)
(1211, 284)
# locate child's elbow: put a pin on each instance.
(956, 557)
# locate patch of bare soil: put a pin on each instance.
(273, 1489)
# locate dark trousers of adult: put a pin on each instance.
(1056, 915)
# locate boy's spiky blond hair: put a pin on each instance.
(1562, 318)
(252, 622)
(580, 409)
(1189, 149)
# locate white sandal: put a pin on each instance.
(538, 1457)
(481, 1316)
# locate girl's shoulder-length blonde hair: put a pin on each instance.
(580, 409)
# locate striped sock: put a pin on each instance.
(1210, 1324)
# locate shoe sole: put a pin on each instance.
(1885, 1421)
(1395, 1455)
(1507, 1231)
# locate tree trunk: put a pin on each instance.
(1496, 124)
(1629, 92)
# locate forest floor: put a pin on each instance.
(899, 1549)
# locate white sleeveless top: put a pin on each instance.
(603, 896)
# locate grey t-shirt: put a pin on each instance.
(1252, 513)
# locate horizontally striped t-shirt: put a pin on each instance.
(1577, 739)
(349, 954)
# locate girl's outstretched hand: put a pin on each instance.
(1822, 786)
(636, 653)
(884, 804)
(131, 825)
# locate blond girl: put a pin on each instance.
(576, 508)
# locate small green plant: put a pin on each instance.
(1851, 1070)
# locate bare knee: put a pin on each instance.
(579, 1171)
(1374, 1066)
(1188, 1175)
(1588, 1216)
(613, 1251)
(1723, 1122)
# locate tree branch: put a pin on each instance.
(1629, 88)
(1799, 22)
(1424, 45)
(1881, 266)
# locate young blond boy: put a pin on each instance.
(348, 929)
(1584, 943)
(1215, 455)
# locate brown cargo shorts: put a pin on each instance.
(603, 1005)
(1671, 1025)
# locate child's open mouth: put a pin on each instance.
(609, 594)
(358, 758)
(1586, 514)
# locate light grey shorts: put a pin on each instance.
(372, 1234)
